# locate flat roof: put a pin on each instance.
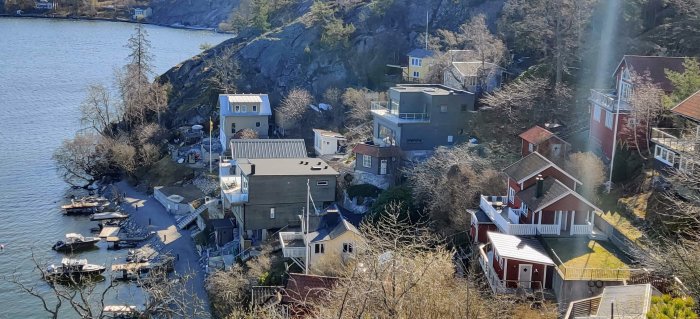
(631, 302)
(431, 89)
(287, 167)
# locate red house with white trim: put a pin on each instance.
(541, 140)
(609, 104)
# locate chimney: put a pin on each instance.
(252, 169)
(540, 186)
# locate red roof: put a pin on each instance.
(536, 135)
(656, 66)
(376, 151)
(690, 107)
(302, 288)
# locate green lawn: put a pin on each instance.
(585, 253)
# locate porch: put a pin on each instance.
(677, 140)
(507, 220)
(294, 247)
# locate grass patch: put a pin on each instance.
(637, 204)
(619, 212)
(585, 253)
(623, 225)
(164, 173)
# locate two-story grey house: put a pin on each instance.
(421, 117)
(273, 192)
(243, 111)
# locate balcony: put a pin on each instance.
(507, 219)
(607, 99)
(230, 183)
(394, 115)
(293, 245)
(677, 140)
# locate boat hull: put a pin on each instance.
(71, 247)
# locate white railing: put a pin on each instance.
(604, 98)
(514, 215)
(585, 229)
(492, 277)
(549, 229)
(294, 251)
(382, 108)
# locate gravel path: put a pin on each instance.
(178, 243)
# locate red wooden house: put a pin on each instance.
(607, 105)
(541, 140)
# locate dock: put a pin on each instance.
(109, 231)
(108, 216)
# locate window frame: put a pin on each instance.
(322, 183)
(272, 213)
(348, 248)
(237, 108)
(608, 119)
(511, 195)
(596, 112)
(443, 108)
(319, 248)
(416, 74)
(366, 161)
(255, 108)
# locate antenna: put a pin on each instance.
(426, 29)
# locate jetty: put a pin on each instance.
(108, 216)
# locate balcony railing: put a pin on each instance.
(382, 108)
(585, 229)
(607, 99)
(293, 245)
(678, 140)
(503, 218)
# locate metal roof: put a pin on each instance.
(527, 166)
(264, 148)
(630, 302)
(287, 167)
(520, 248)
(225, 101)
(420, 53)
(471, 68)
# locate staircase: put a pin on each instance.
(187, 219)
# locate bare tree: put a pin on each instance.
(589, 169)
(450, 182)
(97, 110)
(294, 106)
(158, 98)
(225, 71)
(518, 98)
(359, 116)
(488, 47)
(124, 155)
(646, 108)
(81, 161)
(246, 134)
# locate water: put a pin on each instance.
(45, 66)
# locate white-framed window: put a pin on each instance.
(322, 183)
(319, 249)
(450, 138)
(416, 62)
(625, 91)
(443, 108)
(272, 213)
(511, 195)
(366, 161)
(685, 165)
(608, 119)
(416, 74)
(255, 108)
(596, 113)
(530, 147)
(244, 185)
(237, 108)
(244, 108)
(347, 248)
(663, 155)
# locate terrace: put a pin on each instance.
(677, 140)
(394, 114)
(507, 219)
(585, 259)
(230, 182)
(607, 99)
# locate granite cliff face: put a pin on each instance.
(191, 13)
(293, 56)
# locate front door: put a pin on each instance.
(524, 275)
(382, 167)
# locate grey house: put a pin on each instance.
(274, 192)
(376, 160)
(243, 111)
(421, 117)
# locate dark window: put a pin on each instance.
(255, 108)
(233, 128)
(347, 248)
(414, 141)
(319, 249)
(464, 108)
(322, 183)
(257, 124)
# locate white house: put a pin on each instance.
(243, 111)
(142, 13)
(328, 143)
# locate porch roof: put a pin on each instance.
(515, 247)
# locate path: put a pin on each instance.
(177, 242)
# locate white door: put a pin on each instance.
(382, 167)
(524, 275)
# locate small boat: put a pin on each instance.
(85, 205)
(75, 242)
(108, 216)
(121, 312)
(73, 269)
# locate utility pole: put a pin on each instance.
(306, 228)
(211, 124)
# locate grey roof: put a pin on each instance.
(420, 53)
(189, 193)
(631, 302)
(552, 189)
(287, 167)
(262, 148)
(221, 223)
(225, 101)
(520, 248)
(430, 89)
(332, 225)
(527, 166)
(481, 217)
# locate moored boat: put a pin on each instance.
(108, 216)
(85, 205)
(76, 269)
(75, 242)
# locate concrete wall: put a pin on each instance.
(567, 291)
(287, 195)
(171, 206)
